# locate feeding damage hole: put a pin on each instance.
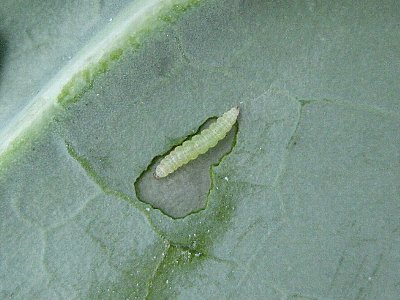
(185, 190)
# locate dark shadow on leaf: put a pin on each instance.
(3, 50)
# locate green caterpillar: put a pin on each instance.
(198, 144)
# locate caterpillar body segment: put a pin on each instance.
(198, 144)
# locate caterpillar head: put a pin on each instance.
(160, 173)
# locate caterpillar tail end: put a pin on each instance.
(236, 110)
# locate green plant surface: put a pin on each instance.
(301, 201)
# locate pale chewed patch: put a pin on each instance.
(186, 190)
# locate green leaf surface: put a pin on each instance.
(301, 203)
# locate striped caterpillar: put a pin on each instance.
(198, 144)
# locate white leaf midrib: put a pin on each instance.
(130, 21)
